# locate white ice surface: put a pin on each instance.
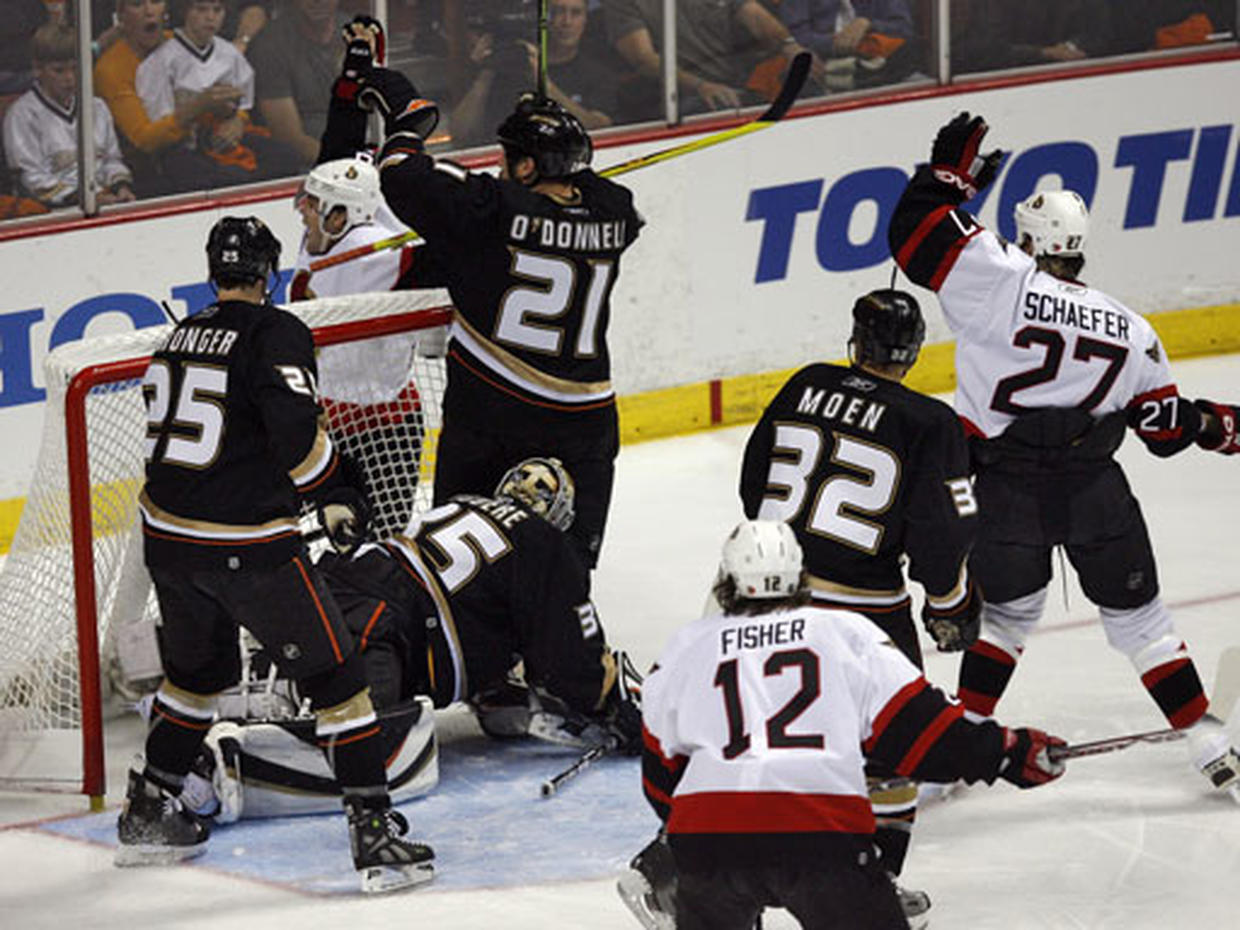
(1129, 840)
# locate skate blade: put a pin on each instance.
(139, 854)
(384, 879)
(635, 891)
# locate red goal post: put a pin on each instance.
(73, 587)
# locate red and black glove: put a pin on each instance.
(1218, 433)
(365, 46)
(1027, 760)
(956, 628)
(956, 158)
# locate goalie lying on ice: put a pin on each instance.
(480, 601)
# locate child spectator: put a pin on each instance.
(40, 129)
(187, 66)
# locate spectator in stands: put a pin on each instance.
(714, 66)
(40, 129)
(296, 58)
(141, 25)
(582, 81)
(221, 148)
(993, 34)
(864, 42)
(21, 18)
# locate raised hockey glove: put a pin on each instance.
(955, 628)
(365, 45)
(1027, 760)
(405, 112)
(956, 159)
(344, 514)
(1219, 435)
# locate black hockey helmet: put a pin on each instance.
(546, 132)
(887, 328)
(242, 248)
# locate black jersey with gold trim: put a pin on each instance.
(865, 470)
(233, 437)
(531, 276)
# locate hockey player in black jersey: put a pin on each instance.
(233, 445)
(530, 259)
(502, 587)
(867, 472)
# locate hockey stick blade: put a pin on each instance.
(584, 761)
(1114, 743)
(798, 71)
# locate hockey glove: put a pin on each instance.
(956, 628)
(957, 161)
(1027, 760)
(364, 48)
(344, 515)
(403, 109)
(1166, 425)
(1219, 435)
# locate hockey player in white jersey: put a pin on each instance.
(1050, 374)
(757, 723)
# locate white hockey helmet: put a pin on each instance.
(763, 559)
(544, 486)
(351, 183)
(1056, 222)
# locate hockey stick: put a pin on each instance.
(584, 761)
(798, 71)
(542, 47)
(794, 80)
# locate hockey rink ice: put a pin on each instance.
(1132, 839)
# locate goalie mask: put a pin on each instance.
(543, 130)
(242, 249)
(763, 559)
(1055, 222)
(887, 328)
(349, 183)
(542, 485)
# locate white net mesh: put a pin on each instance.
(382, 395)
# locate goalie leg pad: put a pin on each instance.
(276, 769)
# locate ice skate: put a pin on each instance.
(386, 862)
(915, 904)
(648, 887)
(1213, 754)
(154, 828)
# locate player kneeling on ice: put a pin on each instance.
(477, 590)
(758, 722)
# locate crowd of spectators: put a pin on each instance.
(195, 94)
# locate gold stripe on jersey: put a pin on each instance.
(955, 595)
(158, 518)
(524, 374)
(316, 460)
(846, 594)
(610, 673)
(407, 550)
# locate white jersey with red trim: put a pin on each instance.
(378, 271)
(1027, 340)
(771, 712)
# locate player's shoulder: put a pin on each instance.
(600, 192)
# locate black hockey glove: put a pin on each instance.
(365, 45)
(1166, 425)
(956, 628)
(344, 514)
(1219, 435)
(404, 111)
(957, 161)
(1027, 760)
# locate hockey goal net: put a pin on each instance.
(73, 588)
